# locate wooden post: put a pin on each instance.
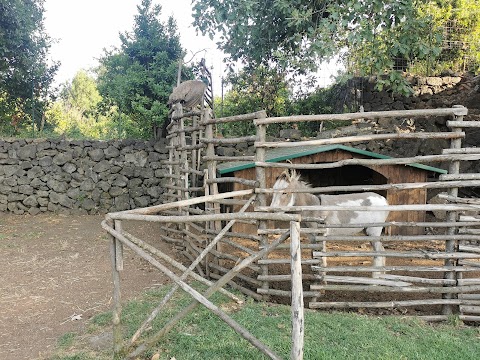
(116, 258)
(297, 292)
(261, 198)
(450, 245)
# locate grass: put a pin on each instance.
(327, 335)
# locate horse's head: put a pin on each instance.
(283, 186)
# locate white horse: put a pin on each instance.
(284, 196)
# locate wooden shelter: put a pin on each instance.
(346, 176)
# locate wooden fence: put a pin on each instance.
(432, 275)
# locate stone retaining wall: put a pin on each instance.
(79, 177)
(423, 87)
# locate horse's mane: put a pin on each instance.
(292, 177)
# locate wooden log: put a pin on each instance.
(252, 183)
(414, 160)
(196, 295)
(226, 141)
(362, 280)
(448, 177)
(222, 281)
(463, 124)
(287, 261)
(469, 263)
(237, 118)
(153, 250)
(364, 115)
(410, 207)
(360, 188)
(238, 235)
(297, 293)
(470, 150)
(284, 278)
(469, 318)
(380, 304)
(469, 296)
(399, 254)
(459, 200)
(360, 268)
(189, 202)
(242, 289)
(420, 280)
(469, 248)
(203, 218)
(248, 158)
(248, 279)
(359, 138)
(470, 309)
(285, 293)
(117, 305)
(407, 289)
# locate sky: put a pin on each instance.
(83, 28)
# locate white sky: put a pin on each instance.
(85, 27)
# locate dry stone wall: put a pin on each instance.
(79, 177)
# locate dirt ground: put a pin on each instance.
(56, 274)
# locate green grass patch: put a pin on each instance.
(202, 335)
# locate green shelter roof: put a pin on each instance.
(282, 154)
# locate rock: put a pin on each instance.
(30, 201)
(292, 134)
(27, 152)
(439, 214)
(62, 158)
(96, 154)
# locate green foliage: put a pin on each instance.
(25, 72)
(76, 113)
(139, 76)
(375, 34)
(327, 335)
(262, 88)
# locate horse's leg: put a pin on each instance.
(378, 261)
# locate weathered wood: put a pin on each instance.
(252, 183)
(361, 268)
(398, 254)
(420, 159)
(362, 280)
(239, 287)
(230, 158)
(448, 177)
(463, 124)
(364, 115)
(407, 289)
(223, 141)
(402, 186)
(459, 200)
(358, 138)
(471, 150)
(420, 280)
(196, 295)
(203, 218)
(297, 293)
(410, 207)
(236, 118)
(380, 304)
(470, 309)
(117, 304)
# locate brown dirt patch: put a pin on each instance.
(56, 275)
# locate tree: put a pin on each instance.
(76, 113)
(25, 75)
(139, 76)
(298, 35)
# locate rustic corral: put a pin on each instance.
(443, 268)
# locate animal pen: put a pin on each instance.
(432, 274)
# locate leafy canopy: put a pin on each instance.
(298, 34)
(25, 74)
(139, 76)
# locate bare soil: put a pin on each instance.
(55, 275)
